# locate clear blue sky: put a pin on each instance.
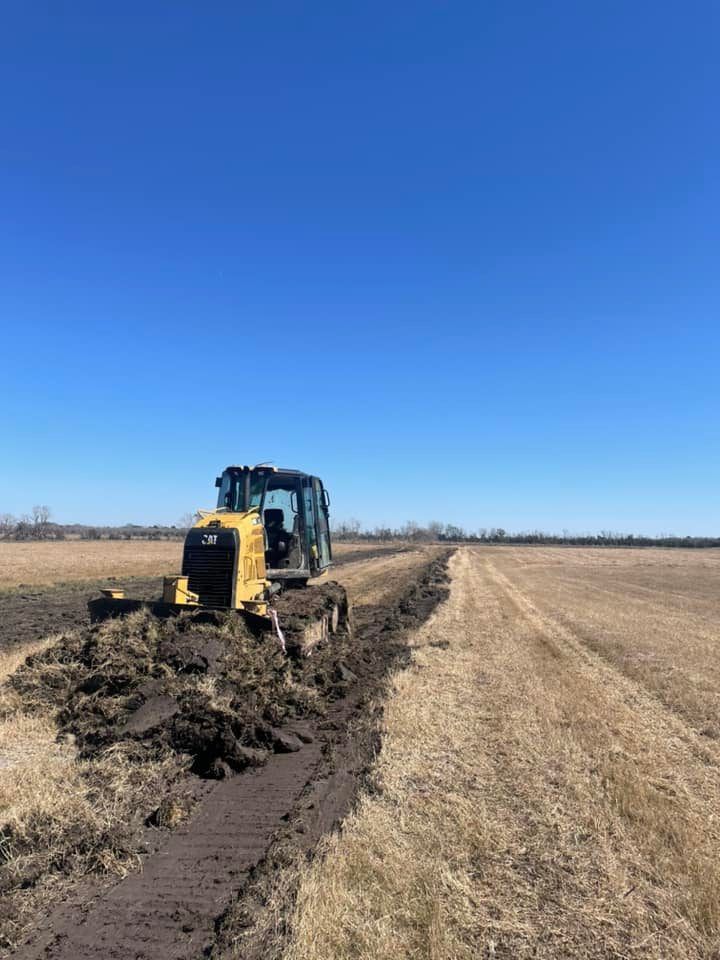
(460, 259)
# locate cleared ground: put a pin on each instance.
(549, 781)
(67, 561)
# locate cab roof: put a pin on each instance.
(265, 468)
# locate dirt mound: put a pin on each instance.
(213, 690)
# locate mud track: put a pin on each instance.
(177, 906)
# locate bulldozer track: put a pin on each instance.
(169, 910)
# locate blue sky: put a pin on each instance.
(459, 259)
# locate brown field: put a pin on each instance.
(44, 563)
(67, 561)
(550, 774)
(548, 782)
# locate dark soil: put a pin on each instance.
(378, 550)
(31, 613)
(143, 679)
(299, 727)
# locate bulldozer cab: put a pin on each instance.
(294, 511)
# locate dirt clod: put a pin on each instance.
(172, 811)
(152, 713)
(284, 742)
(302, 735)
(344, 673)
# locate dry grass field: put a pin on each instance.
(45, 563)
(549, 782)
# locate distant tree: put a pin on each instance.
(411, 531)
(354, 526)
(40, 515)
(453, 532)
(24, 528)
(8, 523)
(435, 529)
(347, 529)
(40, 518)
(383, 533)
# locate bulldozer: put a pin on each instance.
(255, 553)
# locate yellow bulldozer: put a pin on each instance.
(255, 553)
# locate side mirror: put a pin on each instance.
(293, 501)
(326, 497)
(218, 481)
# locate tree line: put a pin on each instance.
(436, 531)
(38, 525)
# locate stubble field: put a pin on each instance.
(531, 770)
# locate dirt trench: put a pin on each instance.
(185, 900)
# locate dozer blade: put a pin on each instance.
(302, 618)
(105, 608)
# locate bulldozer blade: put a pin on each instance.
(105, 608)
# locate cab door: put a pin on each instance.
(321, 502)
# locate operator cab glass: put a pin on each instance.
(240, 491)
(293, 508)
